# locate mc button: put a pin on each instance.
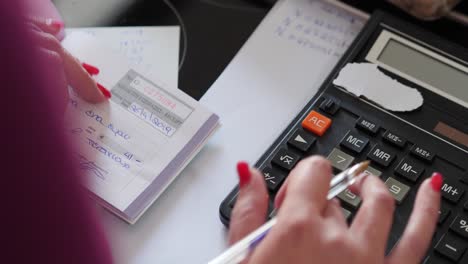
(354, 142)
(316, 123)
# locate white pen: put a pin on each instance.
(240, 250)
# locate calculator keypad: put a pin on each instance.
(399, 162)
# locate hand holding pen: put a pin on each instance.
(312, 229)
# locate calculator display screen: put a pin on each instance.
(425, 68)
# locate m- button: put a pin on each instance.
(316, 123)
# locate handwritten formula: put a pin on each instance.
(318, 32)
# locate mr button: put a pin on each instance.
(381, 155)
(316, 123)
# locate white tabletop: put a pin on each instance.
(263, 88)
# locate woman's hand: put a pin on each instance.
(311, 229)
(426, 9)
(67, 69)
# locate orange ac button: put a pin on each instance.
(316, 123)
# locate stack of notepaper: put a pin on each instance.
(134, 145)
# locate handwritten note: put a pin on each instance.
(134, 144)
(153, 50)
(329, 31)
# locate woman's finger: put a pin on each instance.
(55, 68)
(308, 186)
(418, 233)
(251, 206)
(49, 25)
(334, 214)
(76, 75)
(281, 194)
(374, 219)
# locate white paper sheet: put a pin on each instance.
(366, 80)
(133, 145)
(154, 50)
(263, 88)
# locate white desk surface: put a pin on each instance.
(255, 98)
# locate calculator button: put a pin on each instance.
(460, 225)
(450, 248)
(273, 178)
(350, 198)
(394, 139)
(422, 153)
(367, 126)
(316, 123)
(409, 169)
(346, 213)
(340, 160)
(354, 141)
(444, 212)
(381, 155)
(329, 106)
(397, 189)
(285, 159)
(372, 171)
(452, 191)
(301, 140)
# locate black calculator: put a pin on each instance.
(404, 148)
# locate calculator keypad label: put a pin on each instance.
(367, 125)
(381, 155)
(354, 142)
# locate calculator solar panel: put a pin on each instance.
(404, 148)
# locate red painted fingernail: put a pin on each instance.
(90, 68)
(436, 181)
(244, 173)
(104, 91)
(56, 25)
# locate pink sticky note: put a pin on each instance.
(43, 9)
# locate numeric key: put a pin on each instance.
(340, 160)
(397, 189)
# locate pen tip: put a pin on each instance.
(361, 167)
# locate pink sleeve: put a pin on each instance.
(47, 217)
(43, 9)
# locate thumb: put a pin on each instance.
(251, 206)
